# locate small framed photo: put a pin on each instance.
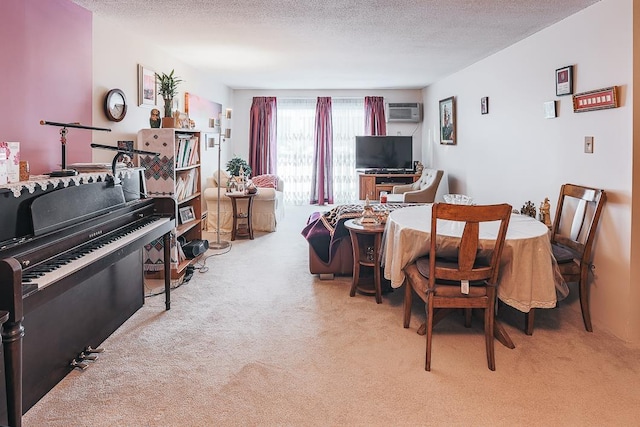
(186, 214)
(448, 121)
(147, 89)
(550, 110)
(564, 81)
(210, 141)
(484, 105)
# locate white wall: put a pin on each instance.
(116, 55)
(242, 100)
(515, 155)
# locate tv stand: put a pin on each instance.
(371, 184)
(385, 171)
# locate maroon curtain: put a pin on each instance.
(262, 136)
(374, 120)
(322, 178)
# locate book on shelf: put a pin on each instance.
(186, 152)
(181, 255)
(186, 184)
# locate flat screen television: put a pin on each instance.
(384, 152)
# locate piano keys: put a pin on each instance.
(70, 274)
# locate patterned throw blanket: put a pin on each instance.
(324, 230)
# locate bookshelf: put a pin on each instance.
(174, 176)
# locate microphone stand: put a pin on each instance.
(63, 141)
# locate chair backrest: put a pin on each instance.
(424, 189)
(577, 216)
(428, 178)
(472, 264)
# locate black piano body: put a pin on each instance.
(71, 273)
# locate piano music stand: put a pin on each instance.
(63, 141)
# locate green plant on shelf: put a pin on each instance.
(168, 89)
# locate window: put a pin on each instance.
(296, 123)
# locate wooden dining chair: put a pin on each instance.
(463, 278)
(572, 234)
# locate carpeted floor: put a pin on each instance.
(255, 339)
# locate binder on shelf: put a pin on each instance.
(186, 151)
(186, 184)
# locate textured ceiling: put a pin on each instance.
(333, 44)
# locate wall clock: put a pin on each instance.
(115, 105)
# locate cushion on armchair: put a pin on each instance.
(265, 181)
(224, 178)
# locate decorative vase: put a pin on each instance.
(168, 102)
(168, 122)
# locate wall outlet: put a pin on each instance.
(588, 144)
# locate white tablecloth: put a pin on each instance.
(528, 273)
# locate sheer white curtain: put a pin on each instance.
(348, 121)
(296, 118)
(296, 123)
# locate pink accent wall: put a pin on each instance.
(46, 63)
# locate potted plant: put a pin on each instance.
(234, 165)
(168, 89)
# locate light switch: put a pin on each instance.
(588, 144)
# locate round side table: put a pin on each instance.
(365, 240)
(240, 229)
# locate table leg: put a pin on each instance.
(235, 219)
(356, 263)
(376, 268)
(249, 219)
(501, 335)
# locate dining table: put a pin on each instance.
(528, 277)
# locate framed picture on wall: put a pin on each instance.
(210, 140)
(448, 121)
(599, 99)
(147, 89)
(549, 110)
(564, 81)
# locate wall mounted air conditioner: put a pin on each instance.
(408, 112)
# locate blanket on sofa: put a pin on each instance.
(324, 230)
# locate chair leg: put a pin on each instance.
(584, 299)
(429, 307)
(528, 321)
(408, 298)
(467, 317)
(489, 318)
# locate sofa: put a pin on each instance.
(330, 251)
(268, 204)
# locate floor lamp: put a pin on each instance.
(220, 244)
